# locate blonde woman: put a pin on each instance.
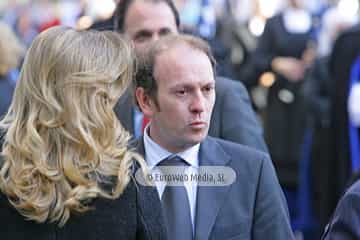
(66, 170)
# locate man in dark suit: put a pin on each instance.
(345, 223)
(233, 118)
(175, 88)
(338, 168)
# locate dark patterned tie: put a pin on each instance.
(176, 205)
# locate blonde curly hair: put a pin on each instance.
(63, 144)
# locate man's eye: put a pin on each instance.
(142, 36)
(165, 32)
(208, 89)
(181, 92)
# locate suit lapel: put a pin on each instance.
(209, 199)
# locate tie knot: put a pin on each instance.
(172, 169)
(173, 161)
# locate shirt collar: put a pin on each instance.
(154, 153)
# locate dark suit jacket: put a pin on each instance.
(253, 207)
(345, 224)
(233, 118)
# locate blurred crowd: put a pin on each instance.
(294, 57)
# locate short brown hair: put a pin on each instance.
(145, 74)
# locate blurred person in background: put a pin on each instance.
(341, 64)
(65, 167)
(233, 31)
(28, 18)
(105, 24)
(11, 53)
(318, 89)
(25, 25)
(345, 222)
(283, 52)
(45, 13)
(201, 18)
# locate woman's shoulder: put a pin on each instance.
(107, 219)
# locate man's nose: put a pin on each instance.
(146, 45)
(198, 103)
(155, 37)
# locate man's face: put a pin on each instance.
(185, 98)
(147, 21)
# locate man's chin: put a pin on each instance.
(186, 142)
(197, 138)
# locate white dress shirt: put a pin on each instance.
(154, 154)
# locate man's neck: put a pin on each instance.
(172, 148)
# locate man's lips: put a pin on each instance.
(198, 124)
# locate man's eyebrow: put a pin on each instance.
(181, 85)
(165, 29)
(142, 33)
(190, 86)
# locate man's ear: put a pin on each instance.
(146, 104)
